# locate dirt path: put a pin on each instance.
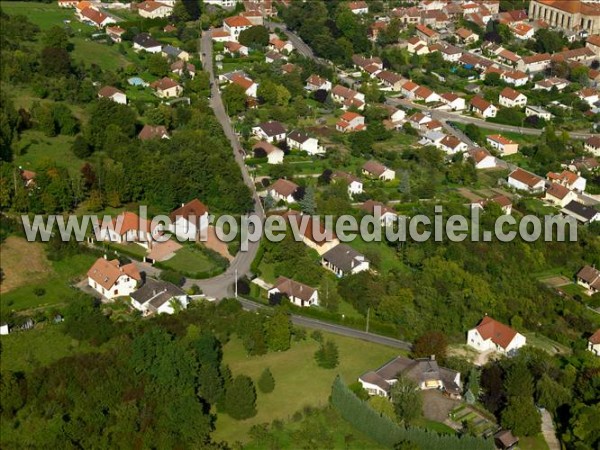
(549, 432)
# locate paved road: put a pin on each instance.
(332, 328)
(223, 285)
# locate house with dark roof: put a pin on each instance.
(298, 293)
(167, 88)
(313, 232)
(589, 278)
(159, 297)
(344, 260)
(377, 170)
(271, 131)
(189, 220)
(494, 336)
(111, 279)
(583, 213)
(505, 440)
(153, 132)
(147, 43)
(113, 94)
(300, 140)
(425, 372)
(283, 190)
(592, 145)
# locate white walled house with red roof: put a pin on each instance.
(510, 98)
(113, 94)
(154, 10)
(526, 181)
(110, 279)
(189, 220)
(594, 343)
(235, 25)
(453, 101)
(350, 121)
(167, 88)
(298, 293)
(491, 335)
(129, 227)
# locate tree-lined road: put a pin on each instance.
(222, 285)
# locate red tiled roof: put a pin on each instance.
(194, 208)
(499, 333)
(106, 273)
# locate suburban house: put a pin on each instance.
(501, 200)
(526, 181)
(467, 36)
(453, 101)
(188, 221)
(531, 110)
(495, 336)
(584, 214)
(274, 154)
(159, 297)
(424, 94)
(425, 372)
(235, 25)
(549, 83)
(417, 46)
(408, 89)
(313, 232)
(272, 57)
(181, 67)
(388, 216)
(278, 45)
(153, 132)
(298, 293)
(427, 34)
(115, 33)
(482, 158)
(523, 31)
(559, 195)
(359, 7)
(451, 53)
(592, 145)
(128, 227)
(169, 51)
(344, 260)
(511, 98)
(535, 63)
(589, 95)
(503, 145)
(28, 177)
(505, 440)
(271, 131)
(372, 66)
(95, 18)
(315, 83)
(451, 145)
(234, 48)
(112, 93)
(589, 278)
(418, 120)
(300, 140)
(377, 170)
(348, 97)
(147, 43)
(350, 121)
(283, 190)
(568, 179)
(482, 107)
(250, 86)
(154, 10)
(167, 88)
(390, 80)
(110, 279)
(355, 186)
(594, 343)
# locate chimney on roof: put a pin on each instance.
(432, 357)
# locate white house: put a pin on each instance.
(159, 297)
(426, 95)
(568, 179)
(589, 95)
(233, 48)
(559, 195)
(235, 25)
(129, 227)
(350, 121)
(377, 170)
(594, 343)
(300, 140)
(482, 107)
(344, 260)
(298, 293)
(95, 18)
(274, 154)
(582, 213)
(147, 43)
(154, 10)
(250, 87)
(511, 98)
(453, 101)
(592, 145)
(483, 159)
(110, 279)
(189, 220)
(283, 190)
(503, 145)
(359, 7)
(526, 181)
(348, 97)
(114, 94)
(516, 78)
(271, 131)
(495, 336)
(167, 88)
(531, 110)
(355, 186)
(315, 83)
(388, 216)
(451, 145)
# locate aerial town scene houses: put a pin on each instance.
(201, 110)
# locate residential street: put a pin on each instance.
(223, 285)
(332, 328)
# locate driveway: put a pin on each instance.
(436, 406)
(548, 431)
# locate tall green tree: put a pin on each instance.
(266, 382)
(240, 398)
(407, 400)
(279, 331)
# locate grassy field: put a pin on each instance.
(34, 150)
(190, 259)
(44, 15)
(26, 350)
(19, 267)
(540, 341)
(533, 443)
(55, 279)
(298, 379)
(91, 52)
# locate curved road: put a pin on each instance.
(223, 285)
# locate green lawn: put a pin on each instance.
(34, 149)
(44, 15)
(26, 350)
(533, 443)
(94, 52)
(545, 343)
(298, 379)
(57, 285)
(432, 425)
(191, 260)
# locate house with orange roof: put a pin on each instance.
(467, 36)
(189, 220)
(523, 31)
(493, 336)
(113, 94)
(503, 145)
(95, 18)
(482, 107)
(515, 77)
(167, 88)
(111, 279)
(482, 158)
(284, 190)
(427, 34)
(350, 121)
(569, 179)
(233, 48)
(115, 33)
(526, 181)
(559, 195)
(359, 7)
(593, 43)
(594, 343)
(348, 97)
(154, 10)
(512, 99)
(235, 25)
(129, 227)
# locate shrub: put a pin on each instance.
(266, 382)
